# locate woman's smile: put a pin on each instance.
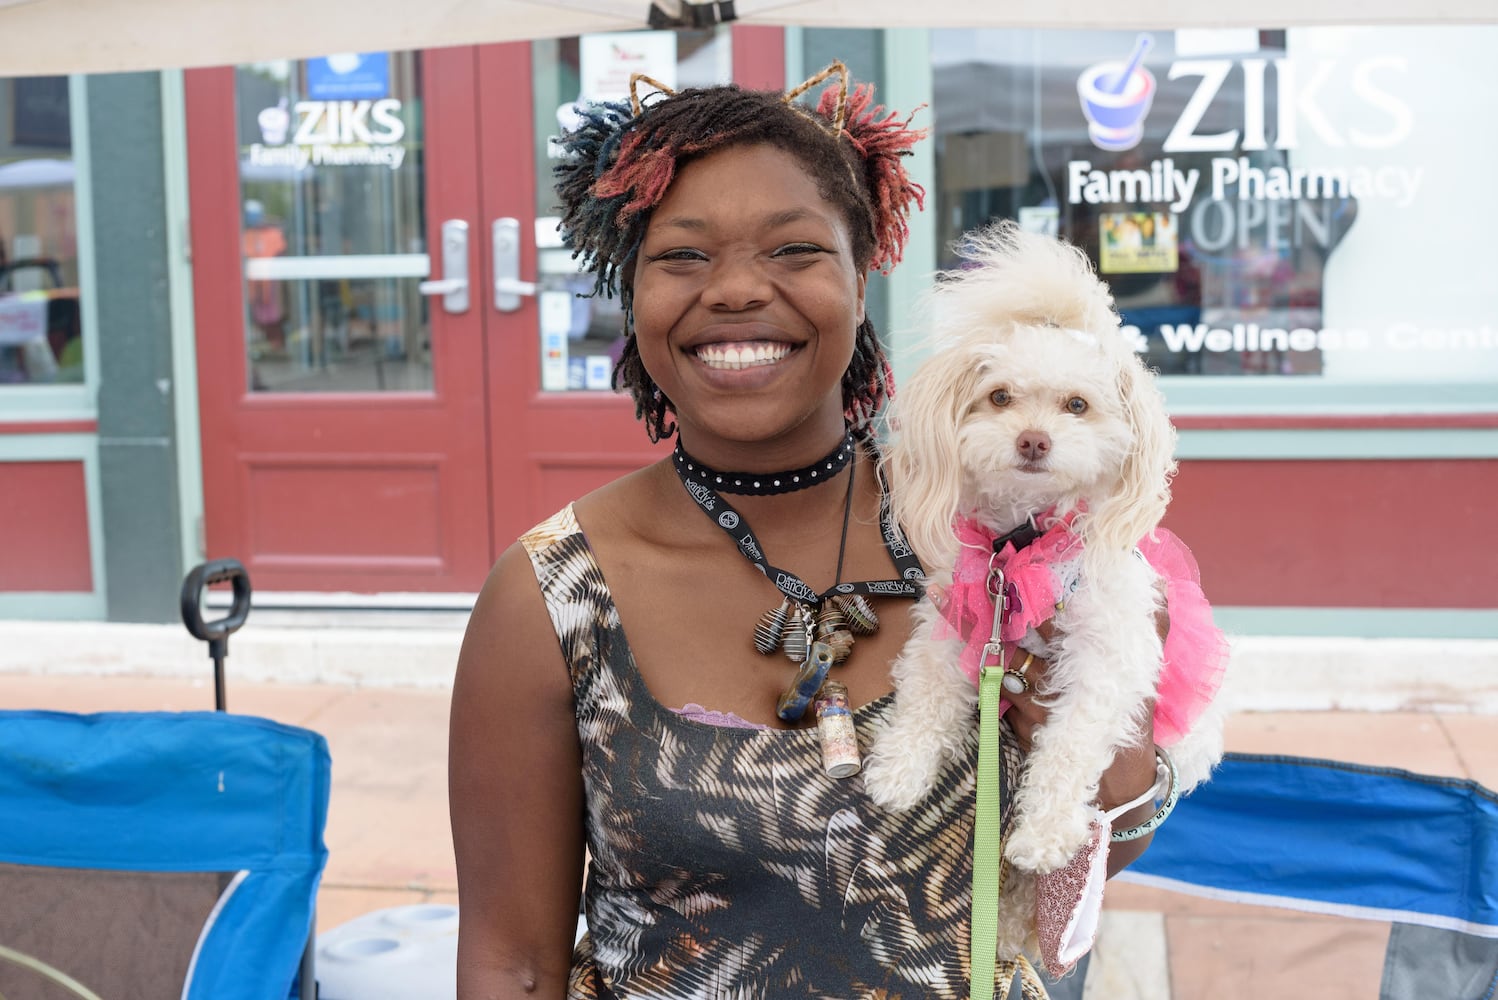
(741, 355)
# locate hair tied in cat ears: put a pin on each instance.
(636, 105)
(880, 138)
(840, 111)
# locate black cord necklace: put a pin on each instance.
(815, 630)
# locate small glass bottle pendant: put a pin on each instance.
(840, 757)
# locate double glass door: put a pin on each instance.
(397, 374)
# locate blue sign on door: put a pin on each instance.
(349, 76)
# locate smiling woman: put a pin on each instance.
(733, 850)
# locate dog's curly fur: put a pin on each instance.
(1032, 319)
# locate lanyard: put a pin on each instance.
(788, 583)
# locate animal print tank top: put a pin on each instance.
(725, 863)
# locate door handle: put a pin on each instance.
(453, 285)
(505, 236)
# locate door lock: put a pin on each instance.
(505, 235)
(453, 285)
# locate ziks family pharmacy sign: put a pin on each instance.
(330, 133)
(1116, 107)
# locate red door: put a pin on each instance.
(365, 428)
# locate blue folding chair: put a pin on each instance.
(1374, 843)
(159, 855)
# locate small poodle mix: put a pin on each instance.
(1035, 423)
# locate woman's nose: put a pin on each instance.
(737, 283)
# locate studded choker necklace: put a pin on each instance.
(764, 483)
(815, 630)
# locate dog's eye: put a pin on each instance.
(999, 397)
(1076, 405)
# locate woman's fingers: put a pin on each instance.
(1025, 714)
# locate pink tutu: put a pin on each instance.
(1196, 651)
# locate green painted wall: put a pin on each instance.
(137, 459)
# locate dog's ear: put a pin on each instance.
(1137, 502)
(925, 470)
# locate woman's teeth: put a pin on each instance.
(739, 356)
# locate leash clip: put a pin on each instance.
(994, 647)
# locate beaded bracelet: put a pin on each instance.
(1165, 769)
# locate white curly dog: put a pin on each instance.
(1034, 405)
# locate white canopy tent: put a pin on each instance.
(43, 37)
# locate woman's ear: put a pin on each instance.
(925, 470)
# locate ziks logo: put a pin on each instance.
(1116, 96)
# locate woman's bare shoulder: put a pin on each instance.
(510, 622)
(632, 510)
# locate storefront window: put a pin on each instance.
(41, 331)
(583, 335)
(1262, 203)
(333, 224)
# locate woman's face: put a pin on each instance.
(747, 301)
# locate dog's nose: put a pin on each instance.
(1033, 445)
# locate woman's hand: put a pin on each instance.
(1027, 713)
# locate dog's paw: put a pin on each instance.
(895, 782)
(1044, 843)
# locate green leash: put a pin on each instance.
(988, 857)
(988, 848)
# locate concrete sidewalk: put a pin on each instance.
(388, 831)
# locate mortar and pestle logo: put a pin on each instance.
(1116, 98)
(274, 123)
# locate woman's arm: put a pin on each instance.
(1132, 771)
(515, 793)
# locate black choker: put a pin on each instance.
(764, 483)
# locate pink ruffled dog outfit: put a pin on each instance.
(1045, 572)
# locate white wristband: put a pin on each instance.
(1172, 792)
(1150, 794)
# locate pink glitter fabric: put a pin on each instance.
(1069, 902)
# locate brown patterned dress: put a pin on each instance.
(725, 863)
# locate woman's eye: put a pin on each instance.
(682, 253)
(797, 249)
(1076, 405)
(999, 397)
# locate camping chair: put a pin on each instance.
(159, 854)
(1416, 852)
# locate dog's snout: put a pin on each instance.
(1033, 444)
